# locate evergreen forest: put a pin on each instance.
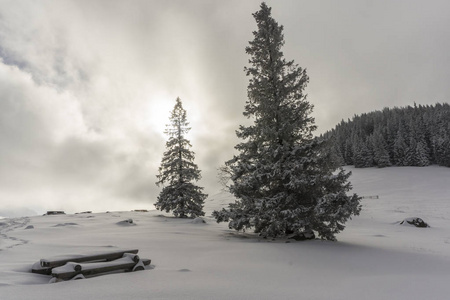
(415, 135)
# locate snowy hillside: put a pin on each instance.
(375, 257)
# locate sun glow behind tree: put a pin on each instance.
(178, 172)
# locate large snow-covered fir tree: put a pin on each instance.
(283, 178)
(178, 171)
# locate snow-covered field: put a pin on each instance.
(375, 257)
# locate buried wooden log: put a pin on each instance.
(57, 262)
(77, 268)
(127, 263)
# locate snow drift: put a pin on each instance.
(374, 258)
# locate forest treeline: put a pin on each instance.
(405, 136)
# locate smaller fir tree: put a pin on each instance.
(178, 171)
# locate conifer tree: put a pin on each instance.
(400, 146)
(178, 171)
(348, 154)
(381, 154)
(443, 151)
(283, 177)
(363, 157)
(422, 159)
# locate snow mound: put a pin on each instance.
(198, 220)
(127, 222)
(65, 224)
(217, 202)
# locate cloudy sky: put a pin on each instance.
(86, 87)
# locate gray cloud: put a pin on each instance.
(50, 159)
(365, 55)
(86, 86)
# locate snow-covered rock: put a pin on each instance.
(414, 221)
